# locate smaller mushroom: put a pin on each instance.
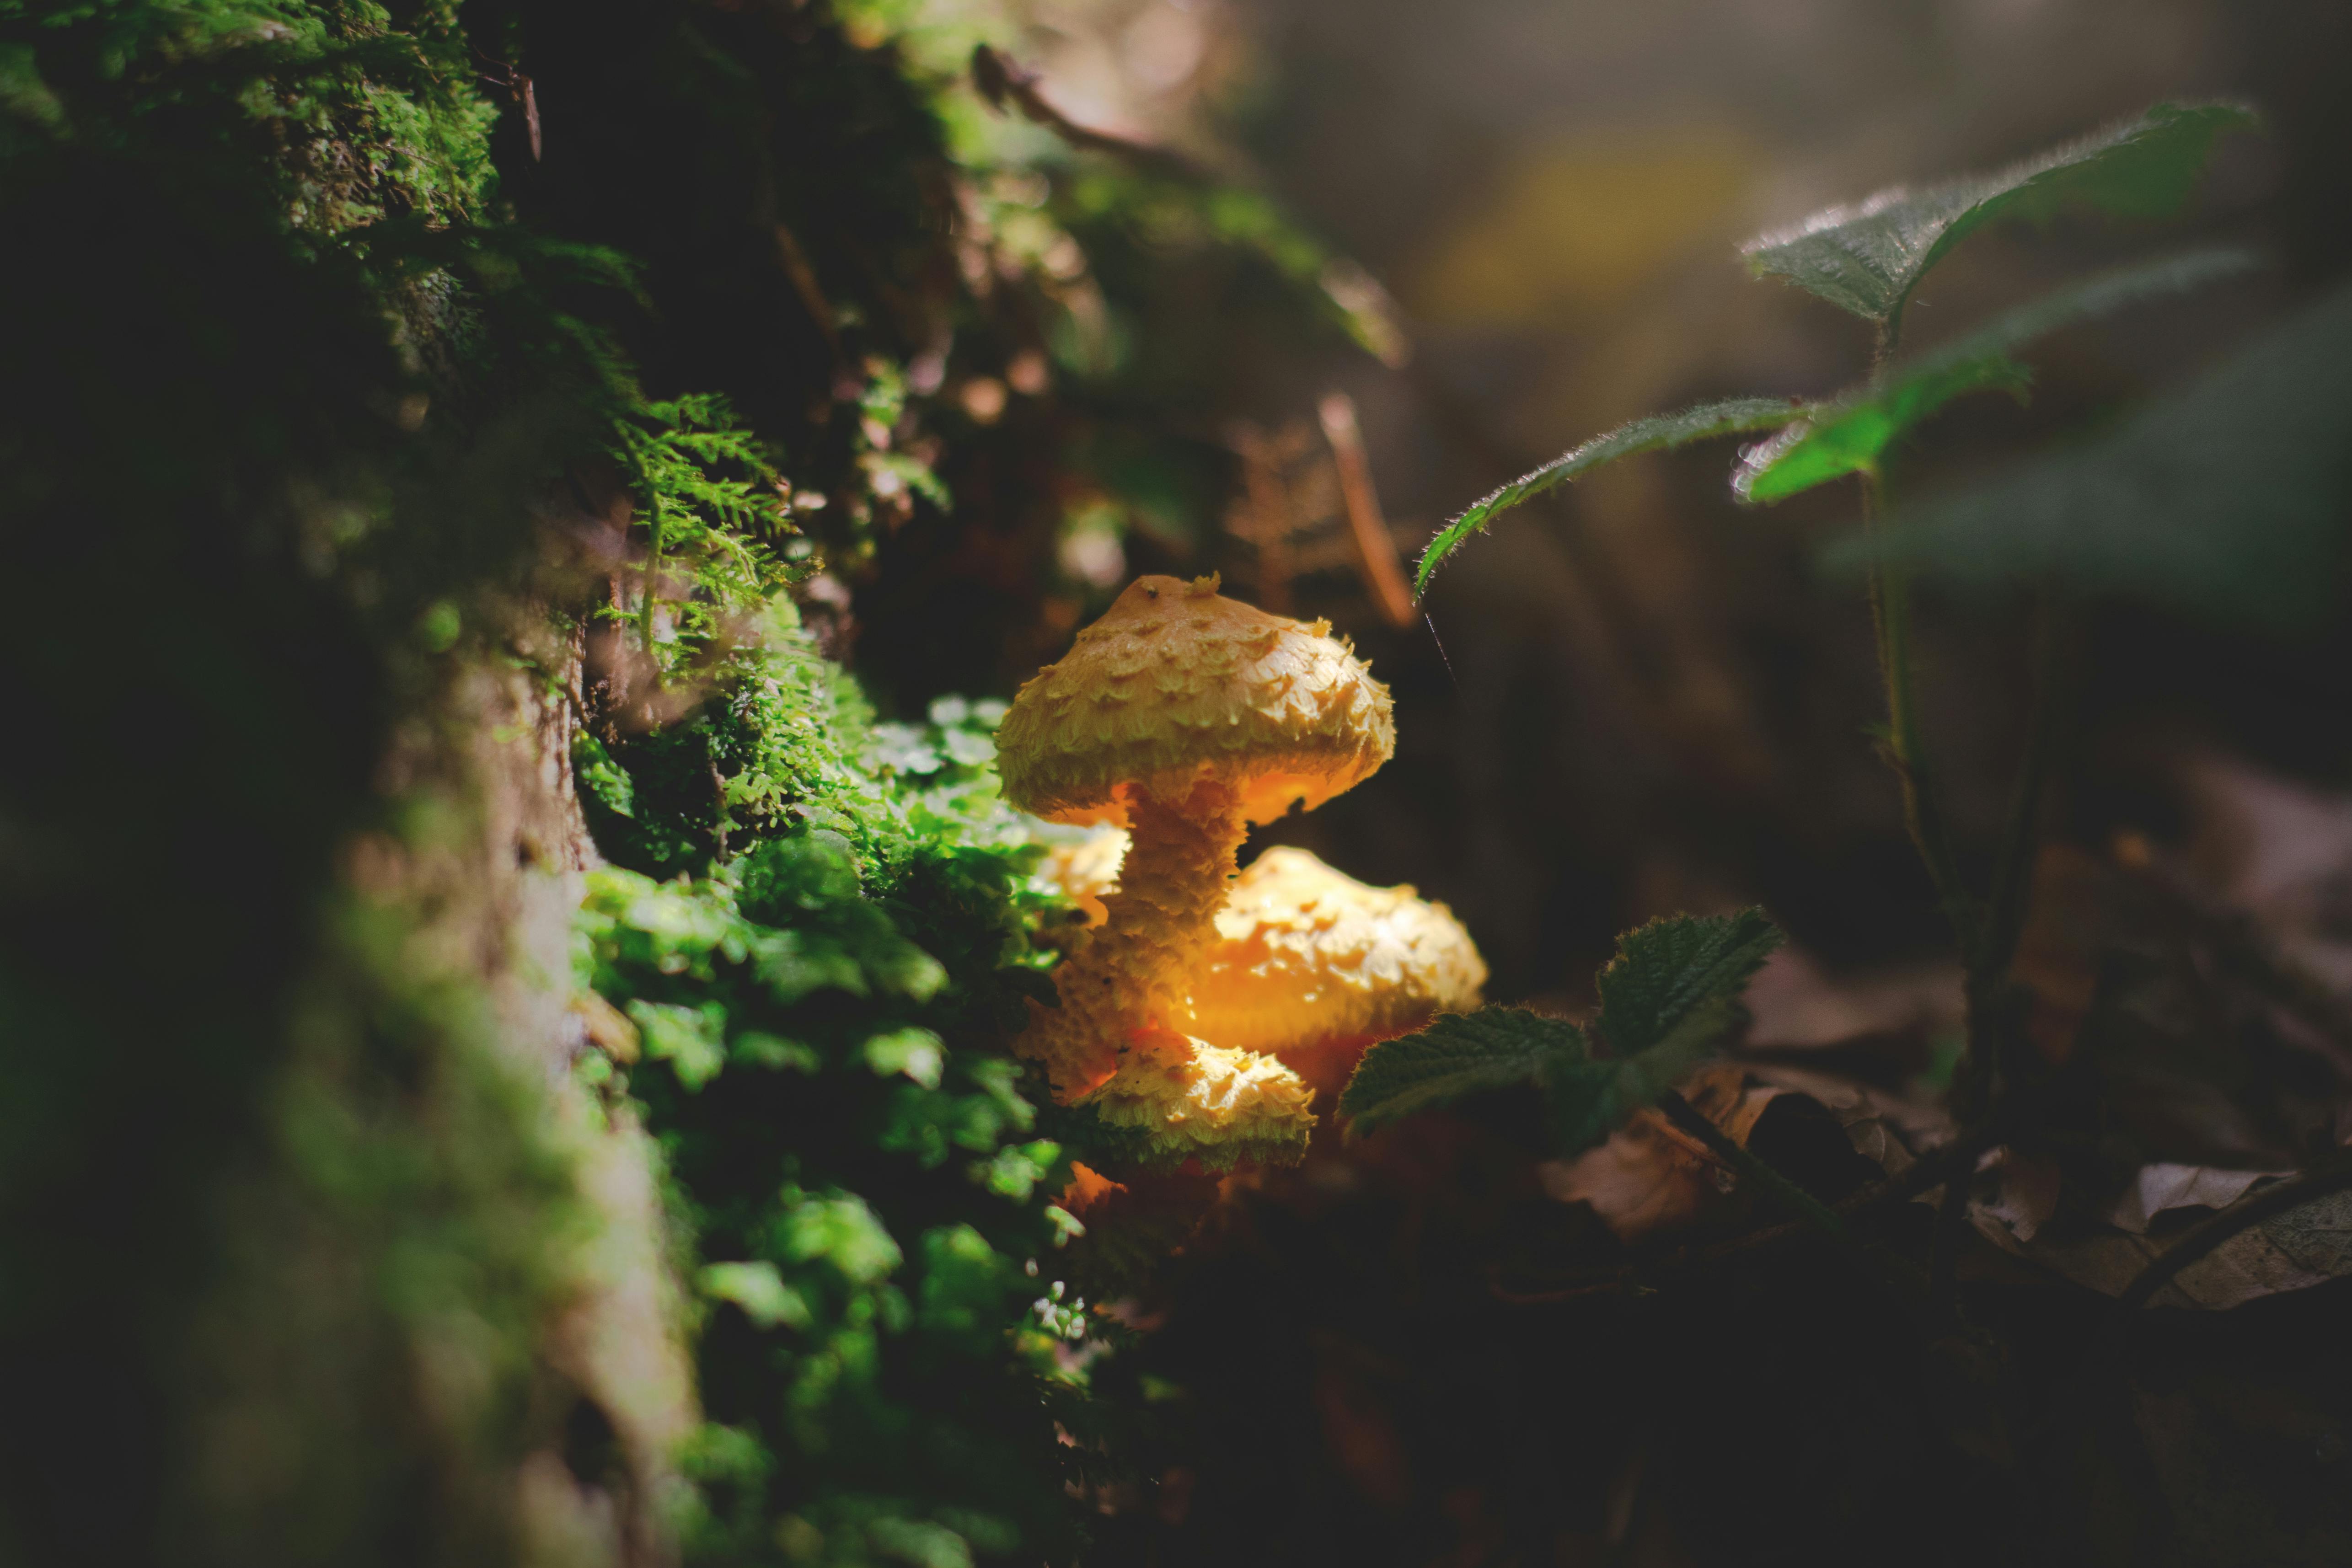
(1314, 967)
(1193, 1100)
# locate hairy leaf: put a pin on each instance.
(1654, 433)
(1589, 1099)
(1585, 1096)
(2226, 500)
(1670, 967)
(1847, 437)
(1868, 257)
(1849, 434)
(1457, 1054)
(1666, 997)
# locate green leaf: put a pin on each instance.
(1868, 257)
(1585, 1096)
(760, 1291)
(691, 1039)
(916, 1052)
(1849, 434)
(2226, 500)
(775, 1052)
(844, 1231)
(1666, 997)
(1589, 1099)
(1668, 968)
(1849, 437)
(1654, 432)
(1458, 1054)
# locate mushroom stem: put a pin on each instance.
(1135, 976)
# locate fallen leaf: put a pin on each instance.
(2027, 1189)
(1884, 1127)
(1650, 1177)
(2158, 1188)
(1644, 1179)
(2293, 1251)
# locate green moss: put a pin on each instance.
(824, 1015)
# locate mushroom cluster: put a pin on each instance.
(1184, 716)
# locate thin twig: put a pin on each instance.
(1376, 550)
(2053, 708)
(1884, 1269)
(801, 275)
(1800, 1204)
(2333, 1174)
(1002, 81)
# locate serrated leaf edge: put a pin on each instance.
(1733, 416)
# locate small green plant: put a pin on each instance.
(1666, 997)
(1867, 259)
(712, 499)
(853, 1168)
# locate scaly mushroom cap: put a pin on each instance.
(1200, 1102)
(1308, 955)
(1174, 686)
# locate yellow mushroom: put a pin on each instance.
(1182, 716)
(1313, 966)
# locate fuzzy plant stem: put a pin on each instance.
(1136, 973)
(1890, 604)
(1890, 614)
(1923, 814)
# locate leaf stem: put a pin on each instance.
(1801, 1204)
(1885, 1270)
(2053, 708)
(1890, 611)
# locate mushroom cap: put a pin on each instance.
(1176, 685)
(1194, 1100)
(1307, 957)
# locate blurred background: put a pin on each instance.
(1633, 696)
